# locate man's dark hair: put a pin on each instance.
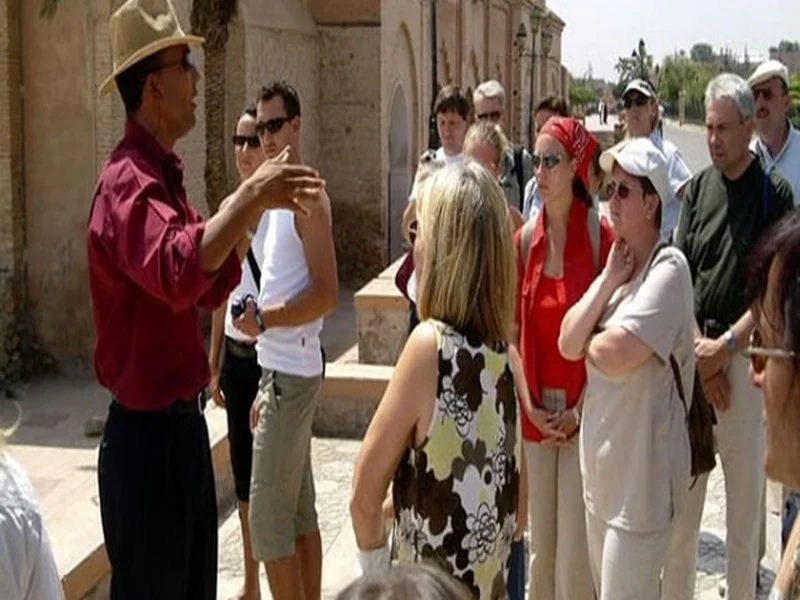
(453, 98)
(291, 99)
(130, 82)
(781, 244)
(250, 111)
(553, 104)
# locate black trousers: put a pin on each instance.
(238, 380)
(158, 506)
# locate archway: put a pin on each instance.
(398, 172)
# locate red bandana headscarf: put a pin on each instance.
(579, 143)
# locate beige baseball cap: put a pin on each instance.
(640, 157)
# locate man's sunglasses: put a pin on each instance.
(494, 115)
(636, 99)
(186, 62)
(548, 161)
(273, 125)
(759, 355)
(766, 92)
(623, 190)
(252, 141)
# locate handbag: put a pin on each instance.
(700, 421)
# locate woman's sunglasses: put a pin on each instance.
(637, 100)
(273, 125)
(548, 161)
(252, 141)
(622, 190)
(759, 355)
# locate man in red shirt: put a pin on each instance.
(153, 263)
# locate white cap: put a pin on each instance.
(767, 70)
(641, 86)
(640, 157)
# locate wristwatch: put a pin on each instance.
(730, 341)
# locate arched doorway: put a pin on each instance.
(398, 172)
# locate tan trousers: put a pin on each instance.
(625, 565)
(559, 557)
(740, 443)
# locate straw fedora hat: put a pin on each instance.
(140, 28)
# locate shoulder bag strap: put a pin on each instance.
(251, 260)
(518, 157)
(676, 371)
(593, 225)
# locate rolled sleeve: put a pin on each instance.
(151, 243)
(225, 281)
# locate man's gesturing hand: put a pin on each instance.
(279, 184)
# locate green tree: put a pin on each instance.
(794, 94)
(638, 65)
(581, 95)
(788, 46)
(702, 53)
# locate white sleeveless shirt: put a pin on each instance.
(284, 274)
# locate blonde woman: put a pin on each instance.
(447, 431)
(27, 567)
(487, 144)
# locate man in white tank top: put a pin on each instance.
(298, 288)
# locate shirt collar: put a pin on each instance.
(762, 149)
(152, 151)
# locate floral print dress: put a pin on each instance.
(455, 496)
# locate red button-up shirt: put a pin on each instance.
(578, 276)
(145, 278)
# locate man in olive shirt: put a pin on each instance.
(727, 208)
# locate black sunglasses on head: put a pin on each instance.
(251, 140)
(273, 125)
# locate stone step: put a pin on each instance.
(381, 319)
(350, 395)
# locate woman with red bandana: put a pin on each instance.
(558, 256)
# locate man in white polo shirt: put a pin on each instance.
(778, 143)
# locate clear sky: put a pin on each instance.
(598, 31)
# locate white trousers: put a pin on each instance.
(559, 557)
(740, 443)
(625, 565)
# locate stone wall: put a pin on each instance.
(350, 139)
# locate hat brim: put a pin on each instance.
(110, 84)
(763, 78)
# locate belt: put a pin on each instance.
(240, 349)
(194, 405)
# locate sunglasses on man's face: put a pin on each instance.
(186, 62)
(766, 92)
(759, 355)
(252, 141)
(273, 125)
(622, 190)
(635, 99)
(494, 115)
(548, 161)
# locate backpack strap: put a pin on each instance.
(518, 157)
(593, 225)
(251, 260)
(525, 239)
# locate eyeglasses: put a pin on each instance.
(186, 62)
(273, 125)
(494, 115)
(252, 141)
(766, 92)
(636, 99)
(548, 161)
(759, 355)
(622, 190)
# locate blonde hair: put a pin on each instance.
(468, 278)
(490, 134)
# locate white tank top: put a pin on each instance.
(284, 274)
(248, 284)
